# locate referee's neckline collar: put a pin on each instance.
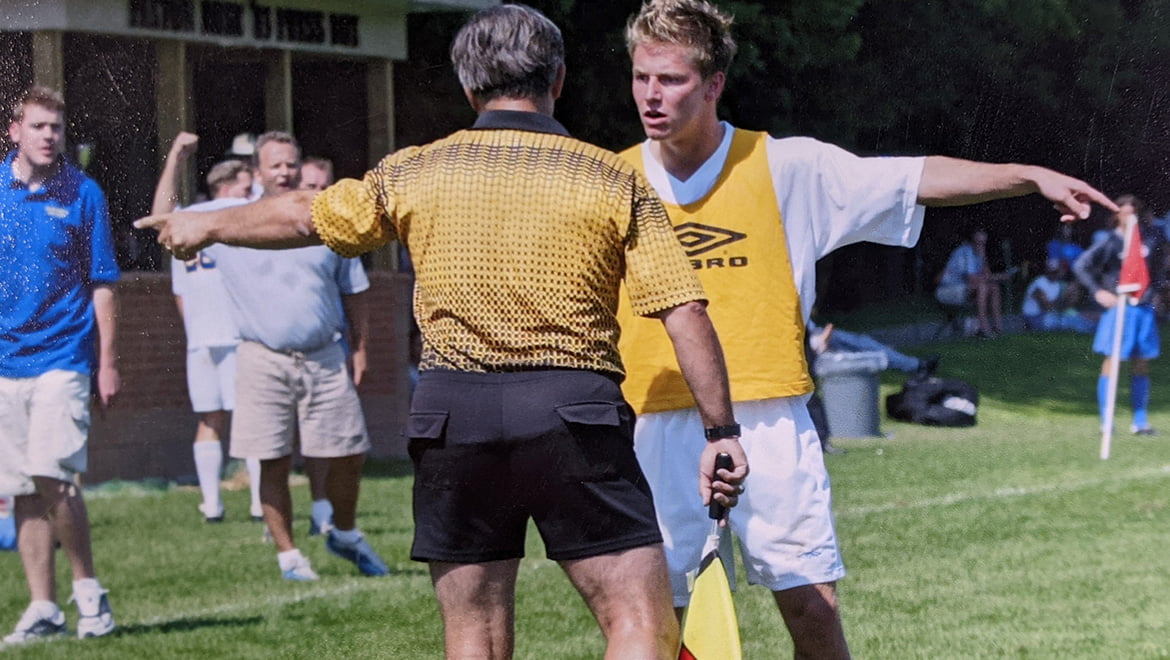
(518, 120)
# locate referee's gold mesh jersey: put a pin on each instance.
(519, 240)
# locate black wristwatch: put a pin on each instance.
(720, 432)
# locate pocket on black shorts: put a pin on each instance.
(600, 445)
(426, 433)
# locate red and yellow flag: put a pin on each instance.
(710, 630)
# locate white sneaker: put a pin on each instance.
(97, 618)
(34, 625)
(302, 571)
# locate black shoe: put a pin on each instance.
(927, 366)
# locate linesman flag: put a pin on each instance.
(1135, 275)
(710, 630)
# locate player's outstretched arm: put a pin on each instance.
(957, 182)
(281, 221)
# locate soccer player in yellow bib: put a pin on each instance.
(755, 213)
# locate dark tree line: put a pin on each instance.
(1076, 85)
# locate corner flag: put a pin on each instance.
(710, 630)
(1132, 282)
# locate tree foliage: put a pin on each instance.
(1077, 85)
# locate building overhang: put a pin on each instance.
(348, 28)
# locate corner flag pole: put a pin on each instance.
(1114, 369)
(1128, 283)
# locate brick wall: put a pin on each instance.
(148, 432)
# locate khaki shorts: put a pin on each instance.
(282, 394)
(44, 425)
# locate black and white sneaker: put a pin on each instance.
(97, 618)
(34, 625)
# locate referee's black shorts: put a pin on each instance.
(491, 451)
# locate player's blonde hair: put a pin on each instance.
(695, 24)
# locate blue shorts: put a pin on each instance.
(1139, 336)
(492, 451)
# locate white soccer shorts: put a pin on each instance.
(784, 519)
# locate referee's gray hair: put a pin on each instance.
(508, 51)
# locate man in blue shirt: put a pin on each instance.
(57, 275)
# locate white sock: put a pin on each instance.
(45, 609)
(290, 559)
(209, 466)
(253, 465)
(87, 593)
(86, 585)
(347, 536)
(322, 513)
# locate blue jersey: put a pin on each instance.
(55, 245)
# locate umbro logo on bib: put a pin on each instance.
(698, 239)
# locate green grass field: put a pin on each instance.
(1011, 539)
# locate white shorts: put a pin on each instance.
(280, 395)
(784, 519)
(44, 425)
(211, 378)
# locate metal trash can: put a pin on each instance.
(849, 387)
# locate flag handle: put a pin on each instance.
(716, 511)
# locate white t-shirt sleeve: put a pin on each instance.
(352, 277)
(830, 198)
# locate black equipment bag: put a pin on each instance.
(935, 402)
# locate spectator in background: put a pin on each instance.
(1050, 302)
(317, 175)
(1063, 249)
(56, 305)
(1099, 269)
(967, 278)
(829, 338)
(211, 331)
(243, 149)
(292, 379)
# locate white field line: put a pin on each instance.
(1159, 472)
(321, 591)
